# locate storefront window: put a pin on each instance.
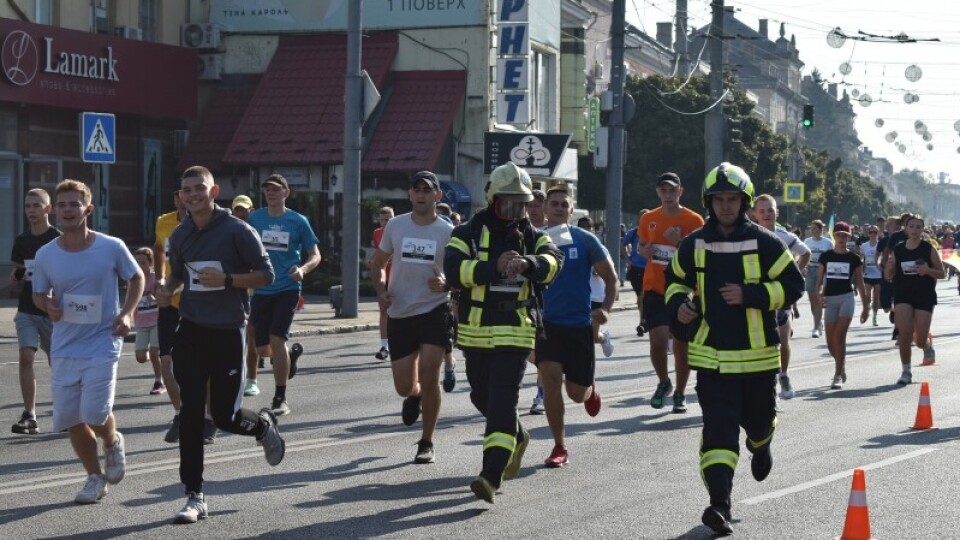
(8, 132)
(542, 92)
(101, 17)
(149, 24)
(43, 11)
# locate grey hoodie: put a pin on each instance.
(234, 246)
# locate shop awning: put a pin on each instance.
(296, 114)
(416, 122)
(209, 140)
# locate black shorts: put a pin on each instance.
(783, 316)
(635, 277)
(654, 310)
(167, 321)
(272, 315)
(871, 281)
(595, 305)
(570, 346)
(407, 334)
(919, 302)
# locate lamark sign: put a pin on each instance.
(45, 65)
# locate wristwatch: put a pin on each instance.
(227, 280)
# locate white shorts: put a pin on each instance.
(147, 338)
(82, 391)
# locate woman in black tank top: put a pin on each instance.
(915, 267)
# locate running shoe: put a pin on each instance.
(279, 406)
(411, 410)
(761, 463)
(679, 403)
(274, 447)
(607, 343)
(875, 319)
(93, 490)
(196, 508)
(295, 351)
(483, 489)
(663, 389)
(592, 403)
(905, 378)
(718, 520)
(786, 389)
(837, 383)
(27, 425)
(641, 329)
(513, 466)
(895, 336)
(114, 460)
(251, 388)
(929, 356)
(816, 333)
(383, 353)
(209, 431)
(449, 378)
(158, 388)
(260, 363)
(537, 407)
(558, 458)
(425, 453)
(173, 434)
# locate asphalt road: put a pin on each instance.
(633, 473)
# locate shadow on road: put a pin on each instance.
(913, 438)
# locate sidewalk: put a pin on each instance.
(316, 318)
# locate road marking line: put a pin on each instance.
(834, 477)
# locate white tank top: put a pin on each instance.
(871, 270)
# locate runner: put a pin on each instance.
(449, 364)
(818, 245)
(636, 265)
(417, 303)
(214, 258)
(839, 271)
(385, 215)
(660, 231)
(597, 294)
(536, 217)
(147, 345)
(872, 276)
(565, 348)
(765, 213)
(915, 266)
(288, 239)
(75, 280)
(241, 208)
(896, 235)
(33, 325)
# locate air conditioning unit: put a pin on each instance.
(200, 36)
(180, 139)
(209, 67)
(128, 32)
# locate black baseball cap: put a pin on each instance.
(669, 178)
(277, 180)
(426, 177)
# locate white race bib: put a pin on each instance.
(194, 268)
(148, 304)
(418, 250)
(509, 285)
(909, 267)
(275, 240)
(663, 254)
(560, 235)
(82, 308)
(28, 269)
(838, 270)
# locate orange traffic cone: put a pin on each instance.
(924, 411)
(857, 525)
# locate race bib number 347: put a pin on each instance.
(418, 250)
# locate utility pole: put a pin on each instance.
(680, 41)
(617, 145)
(713, 128)
(352, 123)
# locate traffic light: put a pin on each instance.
(807, 116)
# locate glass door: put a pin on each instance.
(11, 211)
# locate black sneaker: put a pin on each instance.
(449, 379)
(279, 406)
(718, 520)
(383, 353)
(411, 410)
(641, 330)
(895, 335)
(295, 351)
(209, 431)
(761, 463)
(173, 434)
(27, 425)
(425, 452)
(260, 363)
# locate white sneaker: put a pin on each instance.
(114, 461)
(905, 378)
(786, 389)
(93, 490)
(837, 383)
(607, 343)
(816, 333)
(196, 508)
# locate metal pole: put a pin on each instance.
(713, 128)
(352, 123)
(680, 41)
(617, 140)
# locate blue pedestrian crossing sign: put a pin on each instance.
(793, 192)
(98, 137)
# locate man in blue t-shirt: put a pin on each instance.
(287, 237)
(636, 264)
(565, 348)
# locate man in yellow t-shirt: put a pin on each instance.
(660, 232)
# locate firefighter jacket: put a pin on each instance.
(495, 311)
(733, 339)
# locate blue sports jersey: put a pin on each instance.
(632, 239)
(567, 299)
(285, 238)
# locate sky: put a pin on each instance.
(876, 69)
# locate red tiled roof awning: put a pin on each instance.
(416, 122)
(209, 140)
(296, 114)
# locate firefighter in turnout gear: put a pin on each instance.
(724, 286)
(499, 262)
